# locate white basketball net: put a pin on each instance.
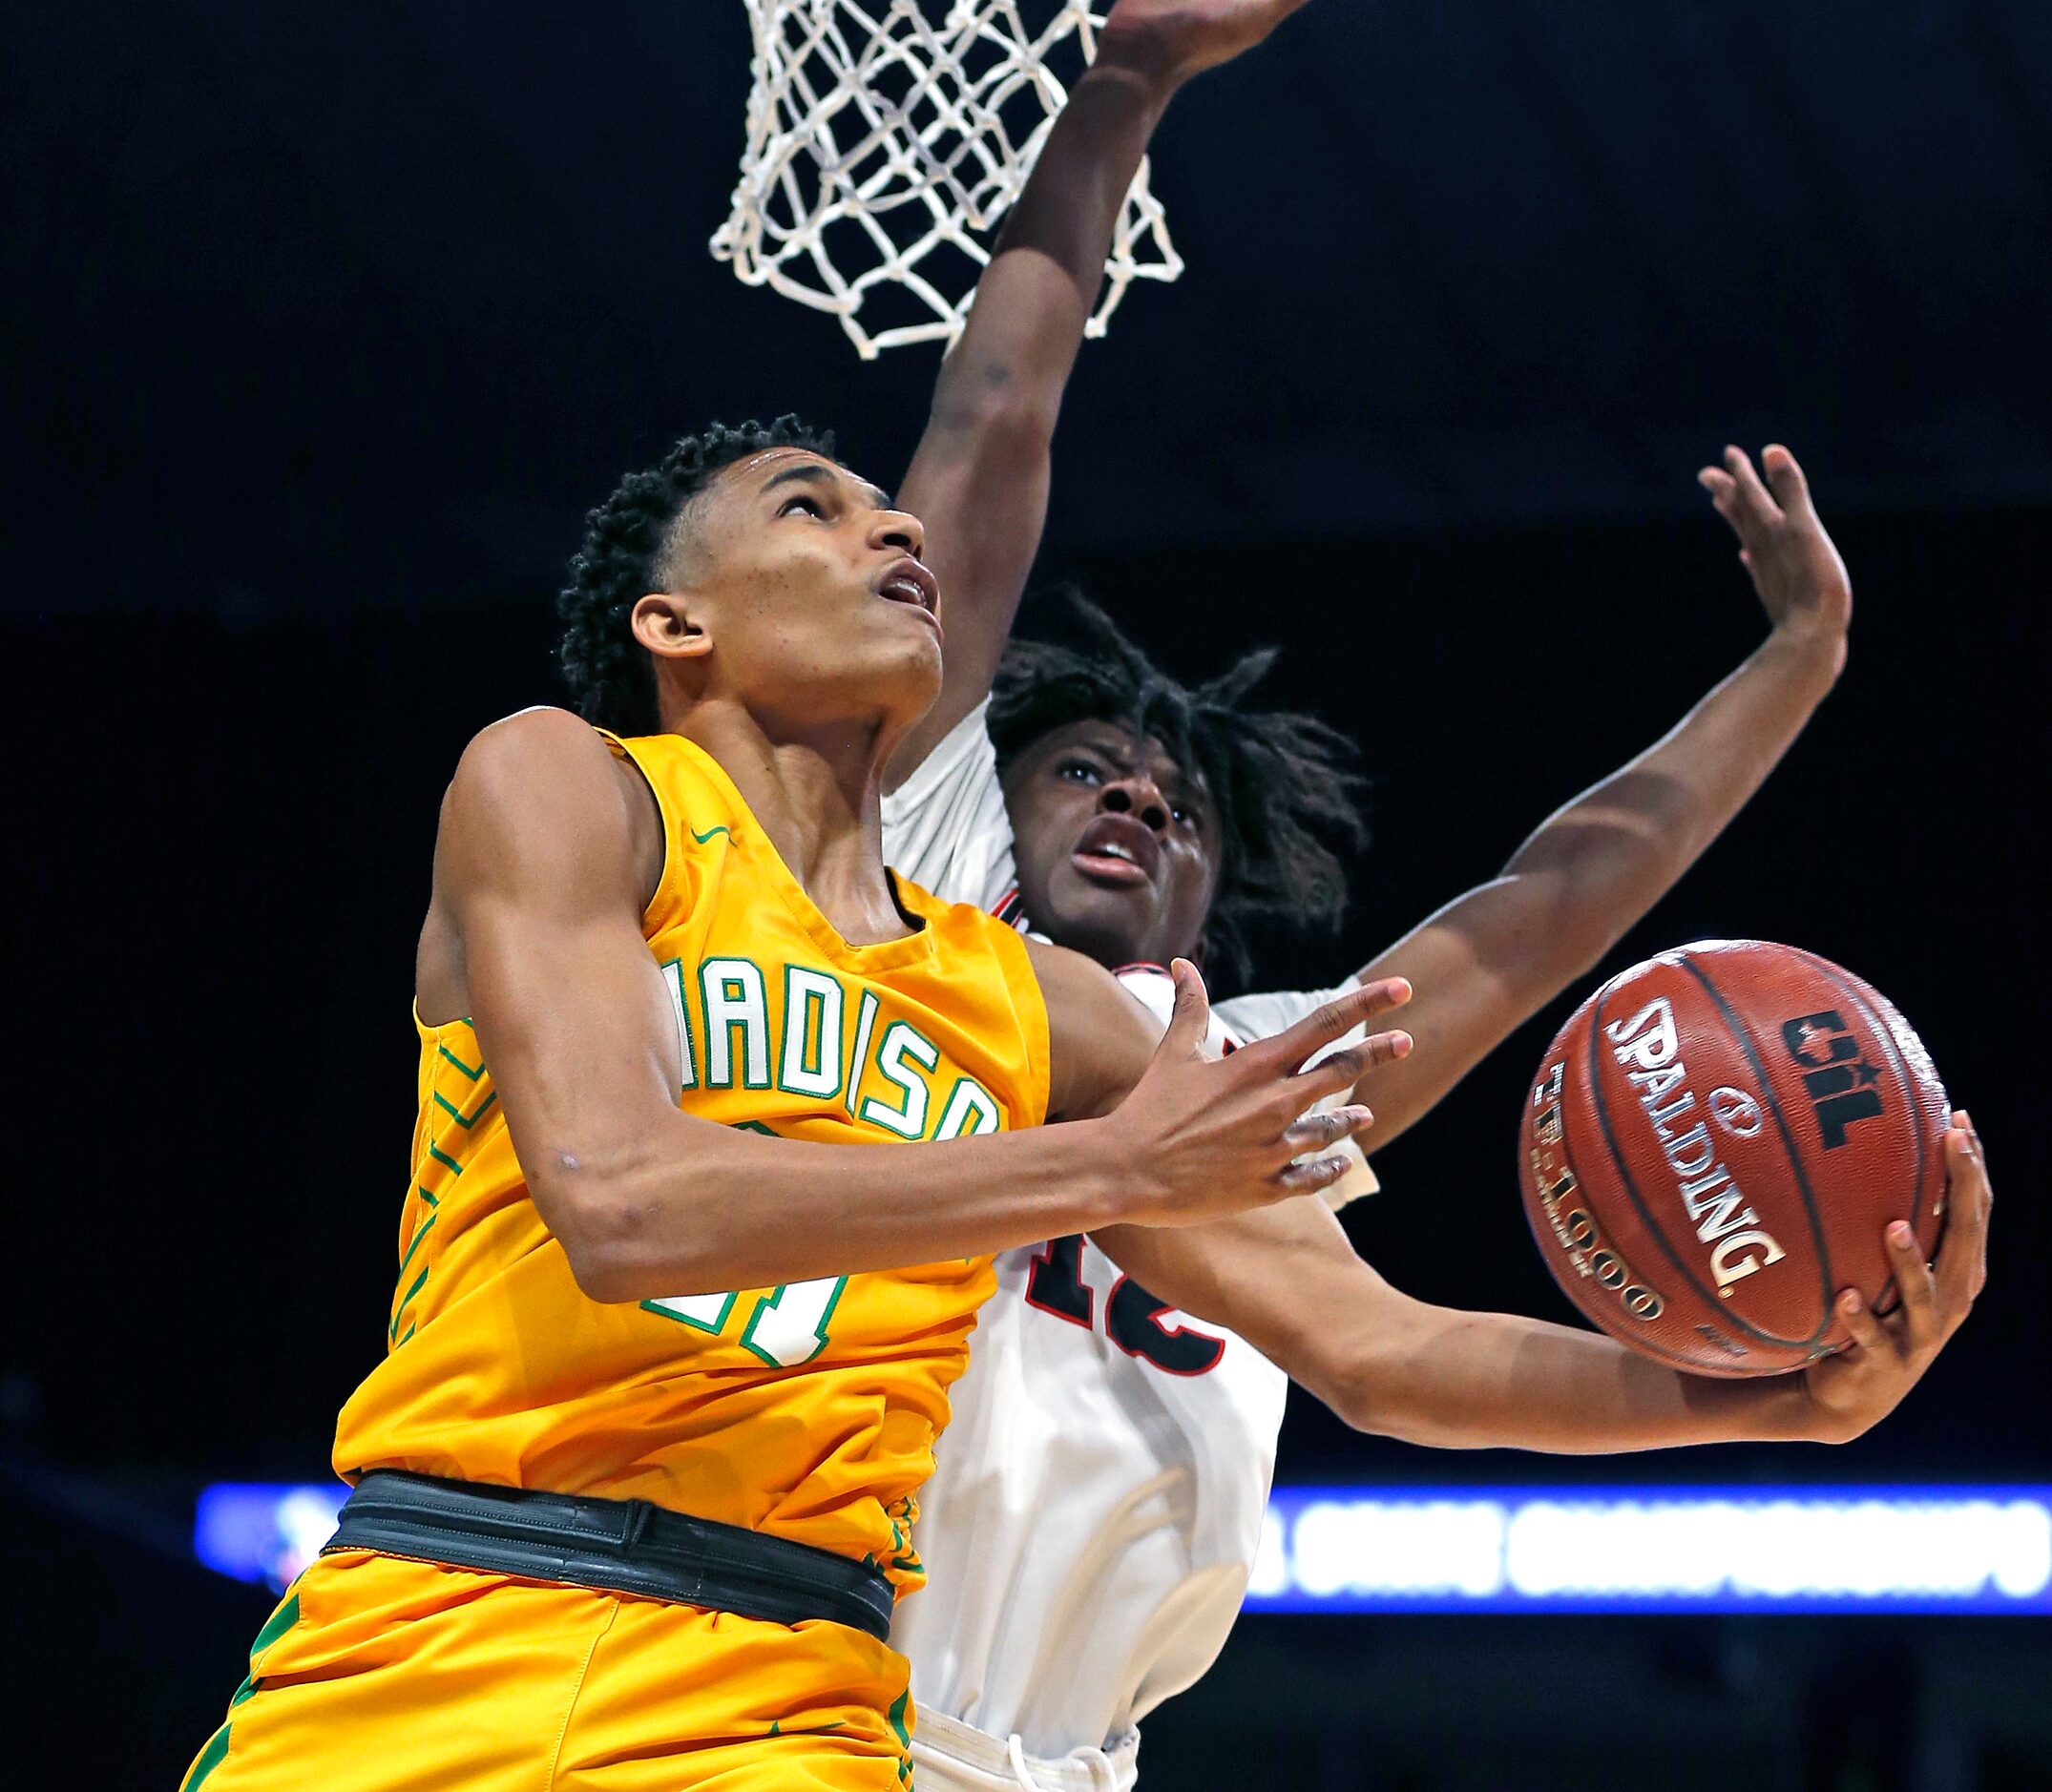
(886, 140)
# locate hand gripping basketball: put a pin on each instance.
(1863, 1382)
(1207, 1137)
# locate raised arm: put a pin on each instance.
(1490, 959)
(545, 860)
(979, 478)
(1286, 1280)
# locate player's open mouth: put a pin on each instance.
(1118, 850)
(906, 581)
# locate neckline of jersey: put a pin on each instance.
(884, 954)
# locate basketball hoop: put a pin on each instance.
(887, 139)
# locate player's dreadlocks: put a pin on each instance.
(1283, 783)
(627, 538)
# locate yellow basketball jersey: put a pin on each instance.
(809, 1411)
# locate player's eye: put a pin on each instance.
(812, 505)
(1079, 771)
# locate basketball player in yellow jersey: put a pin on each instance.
(635, 1481)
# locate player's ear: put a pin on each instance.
(667, 623)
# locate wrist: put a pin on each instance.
(1137, 64)
(1818, 648)
(1093, 1177)
(1789, 1414)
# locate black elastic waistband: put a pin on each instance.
(617, 1546)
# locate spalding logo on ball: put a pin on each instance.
(1714, 1145)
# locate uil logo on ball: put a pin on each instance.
(1837, 1076)
(1736, 1112)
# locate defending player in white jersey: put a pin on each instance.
(1097, 1500)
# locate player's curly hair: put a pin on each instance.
(612, 678)
(1286, 784)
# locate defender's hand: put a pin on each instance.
(1864, 1383)
(1209, 1136)
(1797, 571)
(1170, 40)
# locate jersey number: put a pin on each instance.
(1131, 1316)
(787, 1325)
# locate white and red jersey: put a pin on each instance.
(1096, 1501)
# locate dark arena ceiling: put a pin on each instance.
(310, 305)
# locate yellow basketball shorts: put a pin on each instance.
(379, 1675)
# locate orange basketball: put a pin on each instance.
(1714, 1145)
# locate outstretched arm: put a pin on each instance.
(542, 869)
(979, 478)
(1490, 959)
(1288, 1281)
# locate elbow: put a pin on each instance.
(593, 1222)
(1007, 420)
(1369, 1399)
(600, 1262)
(1380, 1381)
(1562, 944)
(1360, 1383)
(1380, 1400)
(603, 1275)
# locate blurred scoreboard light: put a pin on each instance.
(262, 1530)
(1804, 1549)
(1808, 1548)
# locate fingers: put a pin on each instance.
(1740, 497)
(1312, 1175)
(1337, 1071)
(1962, 1266)
(1316, 1131)
(1753, 498)
(1724, 499)
(1384, 994)
(1922, 1322)
(1336, 1019)
(1866, 1331)
(1785, 479)
(1190, 1018)
(1382, 1047)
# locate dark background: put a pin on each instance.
(324, 326)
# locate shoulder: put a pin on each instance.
(544, 785)
(534, 754)
(1100, 1038)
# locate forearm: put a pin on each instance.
(1036, 296)
(1606, 858)
(650, 1200)
(689, 1207)
(1286, 1280)
(1478, 1381)
(980, 477)
(1491, 958)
